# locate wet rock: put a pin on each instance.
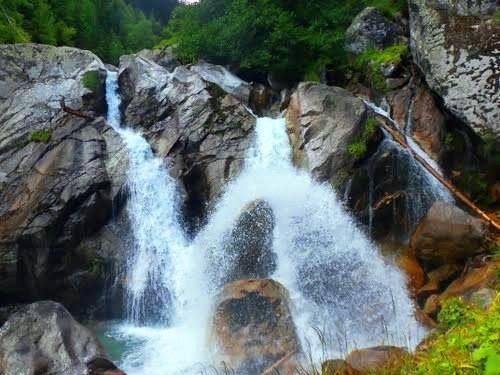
(59, 179)
(428, 122)
(249, 245)
(413, 270)
(261, 98)
(44, 338)
(322, 121)
(390, 193)
(201, 129)
(483, 298)
(454, 44)
(371, 359)
(370, 29)
(253, 328)
(448, 234)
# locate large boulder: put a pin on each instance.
(372, 359)
(43, 338)
(253, 328)
(391, 192)
(200, 127)
(227, 81)
(249, 244)
(322, 121)
(454, 43)
(59, 174)
(371, 29)
(448, 234)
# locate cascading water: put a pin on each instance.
(423, 189)
(337, 280)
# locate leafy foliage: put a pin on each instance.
(372, 61)
(41, 136)
(91, 80)
(288, 38)
(359, 148)
(109, 28)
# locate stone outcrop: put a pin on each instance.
(455, 44)
(322, 121)
(253, 327)
(371, 29)
(43, 338)
(200, 127)
(249, 245)
(448, 234)
(475, 284)
(60, 174)
(372, 359)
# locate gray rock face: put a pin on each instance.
(322, 121)
(448, 235)
(370, 29)
(59, 178)
(455, 44)
(202, 129)
(249, 245)
(43, 338)
(224, 79)
(163, 57)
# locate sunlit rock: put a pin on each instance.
(253, 328)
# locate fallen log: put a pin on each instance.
(273, 368)
(75, 112)
(399, 137)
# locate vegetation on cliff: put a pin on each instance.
(108, 28)
(290, 39)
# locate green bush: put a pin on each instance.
(359, 148)
(370, 63)
(40, 136)
(91, 80)
(291, 39)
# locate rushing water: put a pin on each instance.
(423, 189)
(337, 280)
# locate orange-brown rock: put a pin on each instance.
(337, 367)
(437, 278)
(428, 122)
(414, 272)
(475, 279)
(371, 359)
(448, 234)
(253, 328)
(432, 305)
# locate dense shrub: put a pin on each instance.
(109, 28)
(288, 38)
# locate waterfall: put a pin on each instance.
(338, 282)
(423, 189)
(154, 219)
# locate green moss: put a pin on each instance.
(359, 148)
(91, 80)
(496, 16)
(390, 8)
(369, 64)
(97, 267)
(40, 136)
